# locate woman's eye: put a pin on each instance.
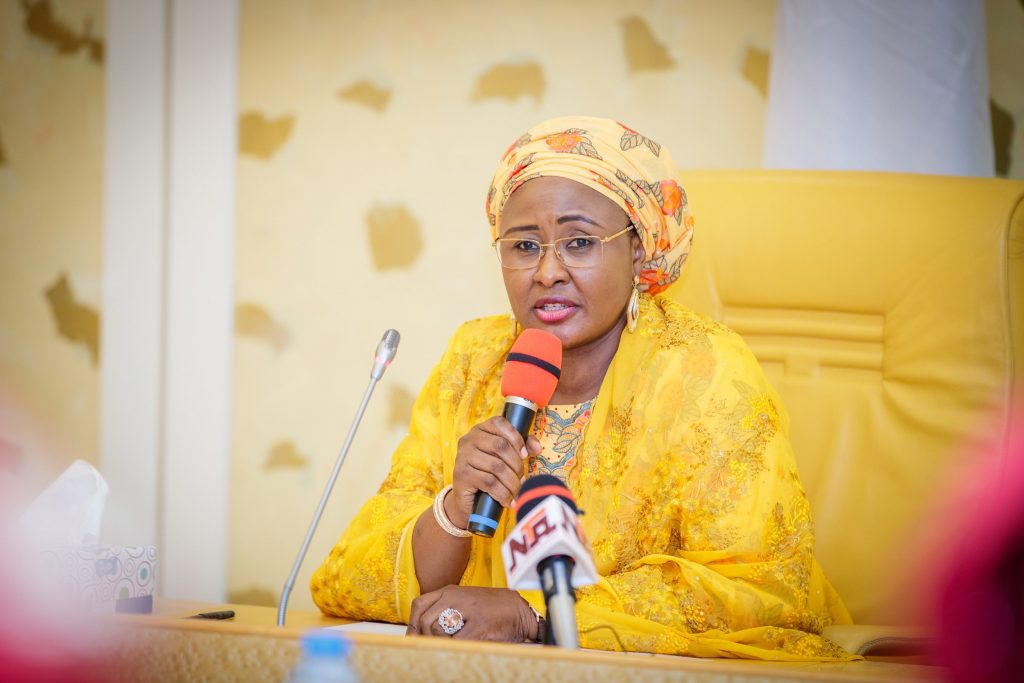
(525, 246)
(580, 243)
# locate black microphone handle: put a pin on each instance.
(487, 511)
(520, 416)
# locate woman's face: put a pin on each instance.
(580, 306)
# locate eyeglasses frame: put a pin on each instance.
(543, 246)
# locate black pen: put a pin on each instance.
(222, 614)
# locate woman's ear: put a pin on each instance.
(638, 252)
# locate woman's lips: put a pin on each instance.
(553, 311)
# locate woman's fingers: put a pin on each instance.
(499, 426)
(428, 620)
(485, 613)
(419, 607)
(424, 619)
(505, 443)
(502, 485)
(491, 459)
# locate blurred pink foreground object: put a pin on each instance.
(980, 602)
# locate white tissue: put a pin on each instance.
(70, 511)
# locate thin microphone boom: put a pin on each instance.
(385, 354)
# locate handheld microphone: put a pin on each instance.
(531, 374)
(548, 550)
(386, 350)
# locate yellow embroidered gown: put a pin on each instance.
(701, 531)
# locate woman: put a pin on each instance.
(662, 425)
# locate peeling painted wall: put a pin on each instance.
(394, 233)
(367, 94)
(368, 131)
(346, 108)
(51, 171)
(1005, 27)
(644, 51)
(510, 82)
(369, 214)
(75, 322)
(66, 36)
(262, 137)
(756, 67)
(255, 322)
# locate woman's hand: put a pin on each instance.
(491, 458)
(488, 614)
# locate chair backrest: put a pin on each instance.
(888, 312)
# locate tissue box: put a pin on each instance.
(104, 578)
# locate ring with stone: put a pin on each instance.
(450, 620)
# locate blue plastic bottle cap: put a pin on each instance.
(324, 643)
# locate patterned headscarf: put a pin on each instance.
(633, 171)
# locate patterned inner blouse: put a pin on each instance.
(560, 432)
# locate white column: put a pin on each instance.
(878, 85)
(131, 346)
(169, 255)
(200, 300)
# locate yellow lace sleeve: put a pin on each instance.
(370, 575)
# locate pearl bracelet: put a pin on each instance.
(442, 518)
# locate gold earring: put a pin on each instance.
(514, 324)
(633, 307)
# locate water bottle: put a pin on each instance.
(325, 659)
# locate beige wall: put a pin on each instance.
(368, 135)
(51, 156)
(369, 131)
(1005, 24)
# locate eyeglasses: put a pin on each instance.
(581, 251)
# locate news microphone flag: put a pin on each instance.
(549, 529)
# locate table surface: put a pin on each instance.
(255, 641)
(296, 621)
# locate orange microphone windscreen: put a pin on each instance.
(533, 367)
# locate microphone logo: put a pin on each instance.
(549, 529)
(534, 528)
(548, 551)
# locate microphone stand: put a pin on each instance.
(384, 356)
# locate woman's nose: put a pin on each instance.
(550, 269)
